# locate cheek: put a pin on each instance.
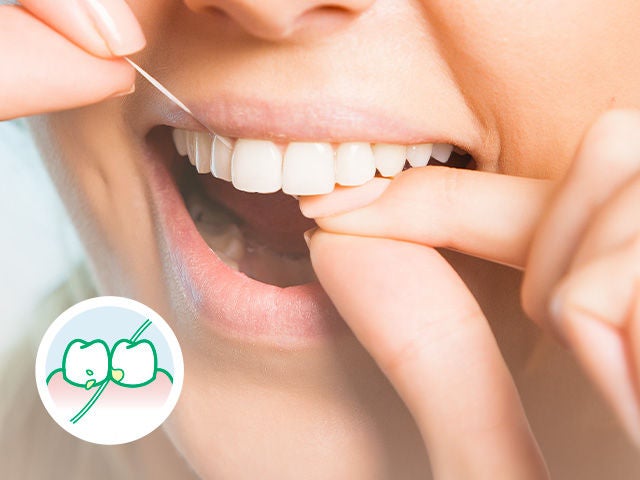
(96, 169)
(539, 73)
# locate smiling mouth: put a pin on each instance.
(241, 193)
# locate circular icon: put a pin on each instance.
(109, 370)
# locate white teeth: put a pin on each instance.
(418, 155)
(355, 164)
(134, 363)
(256, 166)
(85, 363)
(180, 141)
(199, 150)
(390, 158)
(308, 169)
(229, 242)
(221, 153)
(442, 152)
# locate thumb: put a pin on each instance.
(436, 348)
(482, 214)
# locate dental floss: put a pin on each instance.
(162, 89)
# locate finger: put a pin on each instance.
(597, 309)
(613, 145)
(437, 349)
(43, 71)
(103, 27)
(482, 214)
(615, 224)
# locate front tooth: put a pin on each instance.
(133, 363)
(418, 155)
(390, 158)
(221, 152)
(442, 152)
(180, 141)
(308, 169)
(85, 364)
(199, 150)
(355, 164)
(256, 166)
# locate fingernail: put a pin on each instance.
(116, 24)
(343, 199)
(308, 234)
(124, 94)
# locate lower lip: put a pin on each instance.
(233, 304)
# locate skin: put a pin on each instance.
(524, 86)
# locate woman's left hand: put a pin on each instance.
(578, 242)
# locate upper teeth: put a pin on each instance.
(305, 168)
(85, 363)
(134, 364)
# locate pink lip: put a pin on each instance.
(231, 303)
(240, 117)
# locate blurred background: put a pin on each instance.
(38, 246)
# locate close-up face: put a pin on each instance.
(273, 377)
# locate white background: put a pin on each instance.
(38, 246)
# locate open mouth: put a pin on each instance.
(241, 193)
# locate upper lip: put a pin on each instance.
(243, 117)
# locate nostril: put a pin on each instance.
(280, 20)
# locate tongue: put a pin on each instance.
(271, 219)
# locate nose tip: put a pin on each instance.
(281, 19)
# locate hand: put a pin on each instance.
(578, 241)
(62, 54)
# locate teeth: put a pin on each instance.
(355, 164)
(418, 155)
(85, 364)
(308, 169)
(180, 140)
(442, 152)
(199, 150)
(256, 166)
(390, 158)
(133, 364)
(221, 153)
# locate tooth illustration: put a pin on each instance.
(86, 364)
(133, 364)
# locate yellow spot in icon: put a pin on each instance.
(117, 374)
(89, 384)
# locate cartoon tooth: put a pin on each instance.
(133, 364)
(85, 364)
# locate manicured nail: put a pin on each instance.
(116, 24)
(308, 234)
(124, 94)
(343, 199)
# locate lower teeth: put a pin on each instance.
(221, 232)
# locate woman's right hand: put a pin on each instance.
(62, 54)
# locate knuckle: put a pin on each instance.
(415, 351)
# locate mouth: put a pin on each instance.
(234, 230)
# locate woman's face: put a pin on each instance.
(273, 377)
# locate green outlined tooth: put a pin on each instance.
(86, 364)
(134, 364)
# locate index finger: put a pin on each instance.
(105, 28)
(482, 214)
(437, 349)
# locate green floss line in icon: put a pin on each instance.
(131, 363)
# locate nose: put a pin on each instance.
(282, 19)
